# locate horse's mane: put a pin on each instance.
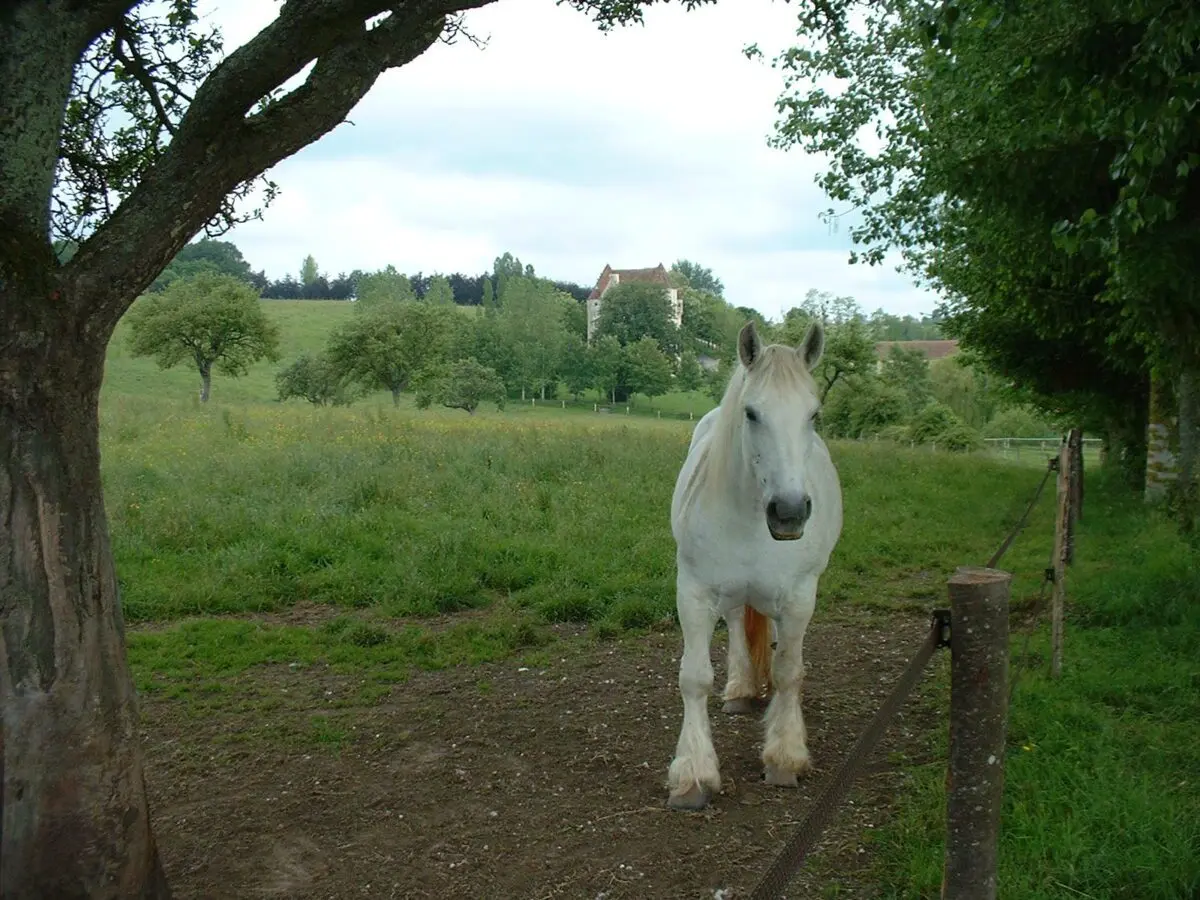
(777, 365)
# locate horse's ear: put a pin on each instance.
(813, 345)
(749, 344)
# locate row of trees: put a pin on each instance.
(1038, 169)
(224, 257)
(528, 342)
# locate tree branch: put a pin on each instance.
(218, 146)
(137, 67)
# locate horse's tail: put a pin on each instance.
(758, 638)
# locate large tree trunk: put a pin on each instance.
(75, 821)
(1188, 393)
(205, 384)
(1161, 464)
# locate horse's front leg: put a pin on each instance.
(694, 775)
(785, 752)
(741, 689)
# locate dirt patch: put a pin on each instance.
(514, 780)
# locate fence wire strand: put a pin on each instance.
(1051, 468)
(809, 830)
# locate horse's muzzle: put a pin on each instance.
(787, 516)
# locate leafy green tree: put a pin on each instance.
(608, 366)
(716, 381)
(574, 315)
(440, 293)
(533, 324)
(861, 407)
(636, 310)
(1044, 187)
(690, 376)
(487, 340)
(577, 365)
(386, 347)
(314, 378)
(463, 384)
(889, 327)
(970, 390)
(126, 129)
(489, 297)
(685, 273)
(849, 344)
(648, 368)
(309, 272)
(209, 320)
(384, 287)
(204, 255)
(908, 371)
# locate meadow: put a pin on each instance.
(376, 544)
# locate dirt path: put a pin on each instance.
(502, 781)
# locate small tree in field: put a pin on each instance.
(577, 369)
(314, 378)
(690, 376)
(649, 368)
(207, 319)
(461, 385)
(388, 346)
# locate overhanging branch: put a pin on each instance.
(218, 146)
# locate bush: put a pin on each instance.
(312, 377)
(960, 438)
(931, 422)
(461, 385)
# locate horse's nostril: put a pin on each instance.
(807, 506)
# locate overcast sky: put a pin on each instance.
(571, 149)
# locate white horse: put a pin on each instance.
(756, 514)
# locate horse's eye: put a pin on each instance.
(751, 414)
(815, 416)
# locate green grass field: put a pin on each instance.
(507, 522)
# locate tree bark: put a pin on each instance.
(396, 397)
(1188, 392)
(1161, 464)
(75, 820)
(205, 384)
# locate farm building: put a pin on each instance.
(611, 277)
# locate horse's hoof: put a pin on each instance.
(777, 777)
(739, 706)
(695, 798)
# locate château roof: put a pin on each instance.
(656, 275)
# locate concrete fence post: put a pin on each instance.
(979, 600)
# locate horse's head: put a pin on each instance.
(779, 408)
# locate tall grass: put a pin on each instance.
(226, 510)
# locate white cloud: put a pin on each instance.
(635, 147)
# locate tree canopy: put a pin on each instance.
(1034, 164)
(635, 310)
(207, 319)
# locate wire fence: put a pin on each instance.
(980, 693)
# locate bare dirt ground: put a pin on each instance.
(508, 780)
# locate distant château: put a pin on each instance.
(611, 277)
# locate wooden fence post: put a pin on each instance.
(978, 725)
(1062, 534)
(1075, 440)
